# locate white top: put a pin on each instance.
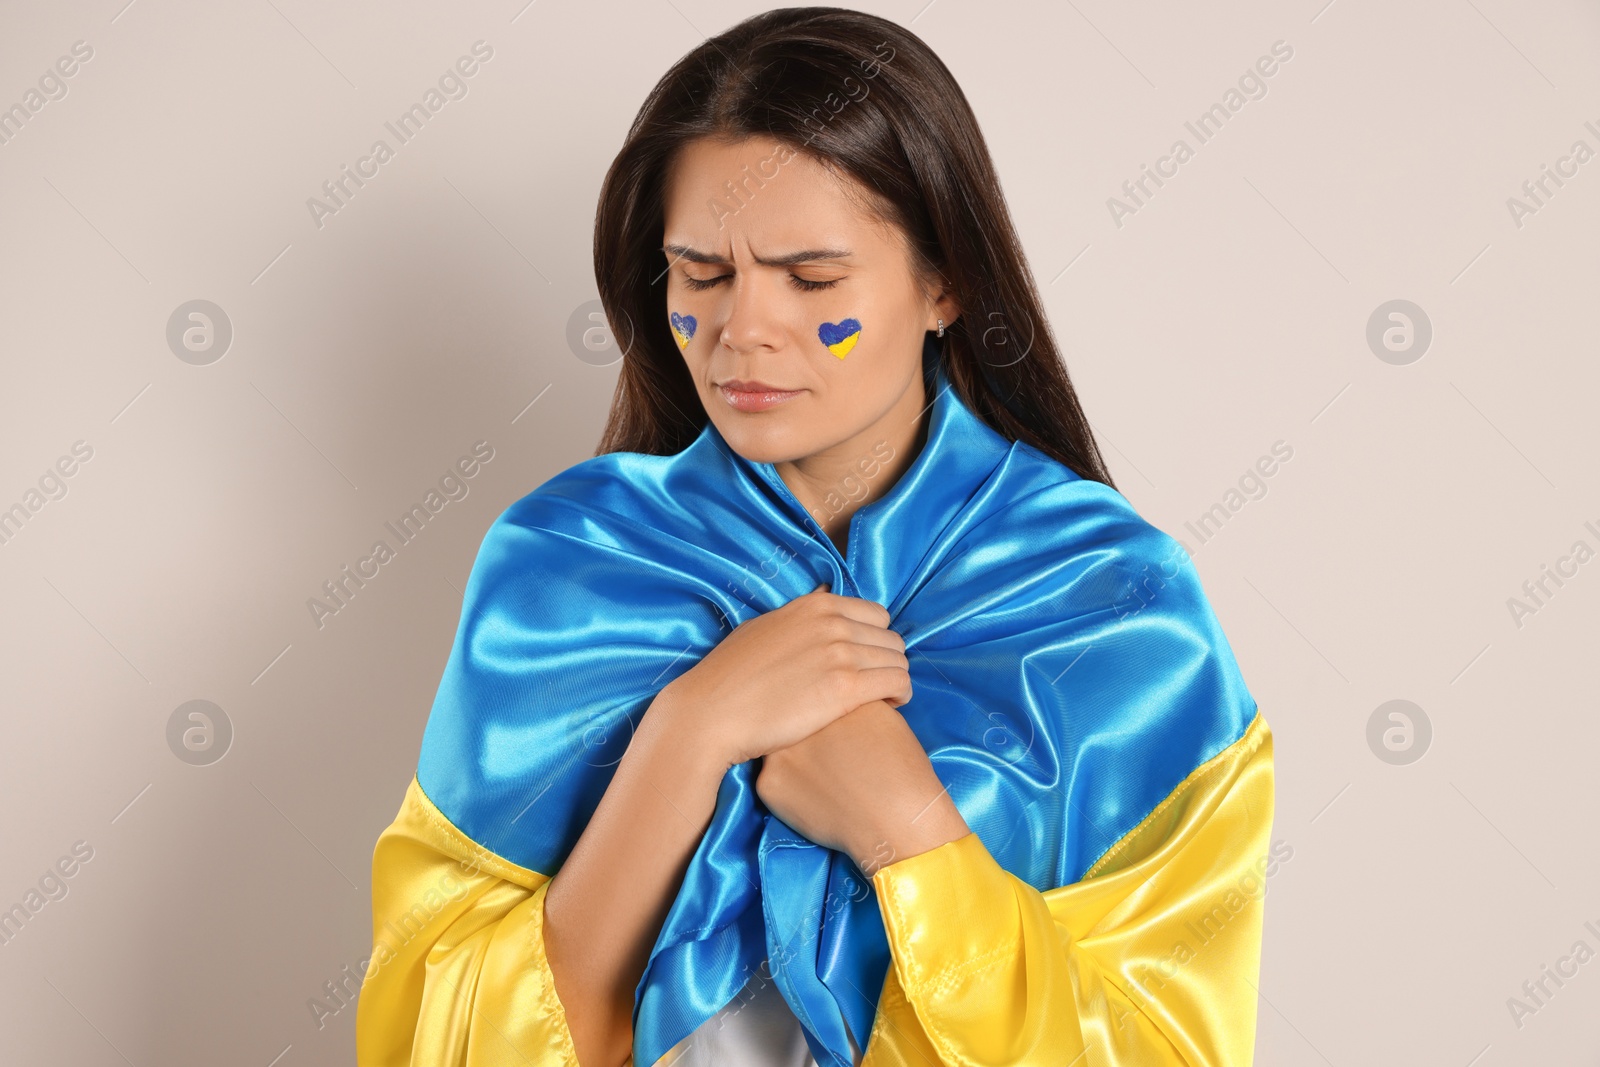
(757, 1028)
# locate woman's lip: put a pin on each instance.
(757, 399)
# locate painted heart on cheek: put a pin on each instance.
(683, 328)
(840, 337)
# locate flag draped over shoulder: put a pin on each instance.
(1072, 689)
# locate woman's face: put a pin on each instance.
(777, 277)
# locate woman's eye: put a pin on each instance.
(811, 287)
(802, 284)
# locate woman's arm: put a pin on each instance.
(606, 904)
(466, 972)
(1152, 958)
(464, 966)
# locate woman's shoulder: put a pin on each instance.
(1063, 515)
(633, 503)
(607, 482)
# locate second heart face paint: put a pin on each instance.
(840, 337)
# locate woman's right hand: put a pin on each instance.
(782, 676)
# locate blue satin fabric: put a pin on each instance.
(1068, 674)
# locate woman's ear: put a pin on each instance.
(945, 305)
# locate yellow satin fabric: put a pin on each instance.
(458, 975)
(1151, 959)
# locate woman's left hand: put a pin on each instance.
(862, 785)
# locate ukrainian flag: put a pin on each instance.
(1072, 686)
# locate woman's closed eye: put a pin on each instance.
(802, 284)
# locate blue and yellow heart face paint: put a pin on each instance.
(840, 337)
(683, 328)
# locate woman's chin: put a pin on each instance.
(768, 442)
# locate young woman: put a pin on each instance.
(839, 710)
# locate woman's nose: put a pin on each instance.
(753, 320)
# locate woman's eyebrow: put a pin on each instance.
(789, 259)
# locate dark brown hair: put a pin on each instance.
(866, 98)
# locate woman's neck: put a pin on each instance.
(834, 483)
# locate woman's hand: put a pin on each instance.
(862, 785)
(784, 675)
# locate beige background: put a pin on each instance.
(368, 354)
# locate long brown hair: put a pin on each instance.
(868, 98)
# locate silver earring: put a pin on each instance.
(941, 327)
